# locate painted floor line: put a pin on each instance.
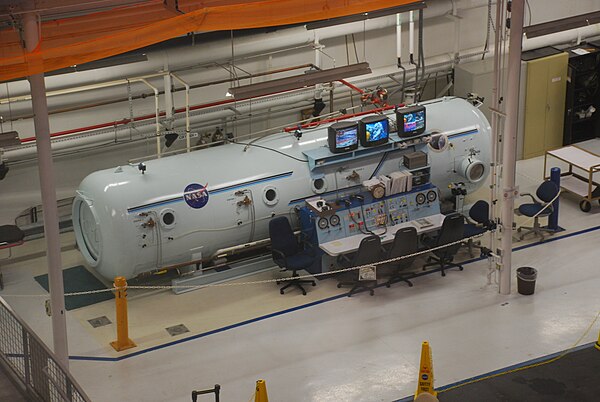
(300, 307)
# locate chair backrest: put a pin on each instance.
(405, 242)
(282, 236)
(453, 229)
(369, 251)
(480, 212)
(547, 191)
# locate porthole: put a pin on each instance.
(473, 170)
(167, 218)
(438, 142)
(319, 185)
(270, 195)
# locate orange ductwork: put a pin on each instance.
(76, 40)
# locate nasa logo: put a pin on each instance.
(424, 377)
(195, 195)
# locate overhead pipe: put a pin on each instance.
(381, 76)
(156, 115)
(244, 46)
(187, 110)
(399, 52)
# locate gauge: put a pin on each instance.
(334, 220)
(323, 223)
(431, 196)
(420, 198)
(378, 192)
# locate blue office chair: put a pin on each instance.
(452, 231)
(369, 251)
(406, 242)
(478, 223)
(288, 254)
(545, 193)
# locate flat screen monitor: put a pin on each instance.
(374, 130)
(343, 137)
(411, 121)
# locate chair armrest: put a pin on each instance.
(280, 257)
(533, 199)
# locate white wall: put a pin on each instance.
(19, 189)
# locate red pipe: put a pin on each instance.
(342, 117)
(125, 121)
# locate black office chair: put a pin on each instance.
(288, 254)
(478, 224)
(545, 193)
(405, 242)
(369, 251)
(452, 231)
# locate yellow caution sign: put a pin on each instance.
(261, 392)
(425, 372)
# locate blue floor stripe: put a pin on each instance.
(503, 370)
(301, 307)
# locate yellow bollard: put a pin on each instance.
(261, 392)
(123, 342)
(425, 372)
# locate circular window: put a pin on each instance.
(319, 185)
(439, 142)
(167, 218)
(87, 231)
(473, 170)
(270, 195)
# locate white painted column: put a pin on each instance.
(509, 141)
(49, 205)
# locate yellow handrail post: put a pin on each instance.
(123, 342)
(425, 380)
(261, 392)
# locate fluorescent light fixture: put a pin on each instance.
(309, 78)
(417, 5)
(562, 24)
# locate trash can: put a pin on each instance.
(526, 280)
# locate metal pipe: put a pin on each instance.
(157, 115)
(411, 37)
(187, 110)
(509, 141)
(47, 187)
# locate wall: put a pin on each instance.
(443, 36)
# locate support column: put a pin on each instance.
(47, 187)
(509, 141)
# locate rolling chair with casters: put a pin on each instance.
(288, 254)
(369, 251)
(478, 224)
(545, 193)
(405, 242)
(452, 231)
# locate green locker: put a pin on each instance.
(545, 104)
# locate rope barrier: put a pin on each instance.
(259, 282)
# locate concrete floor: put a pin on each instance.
(336, 349)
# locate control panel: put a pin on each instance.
(363, 214)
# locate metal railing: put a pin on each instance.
(32, 364)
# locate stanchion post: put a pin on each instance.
(425, 379)
(261, 392)
(123, 342)
(553, 218)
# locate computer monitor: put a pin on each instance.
(373, 131)
(343, 137)
(411, 121)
